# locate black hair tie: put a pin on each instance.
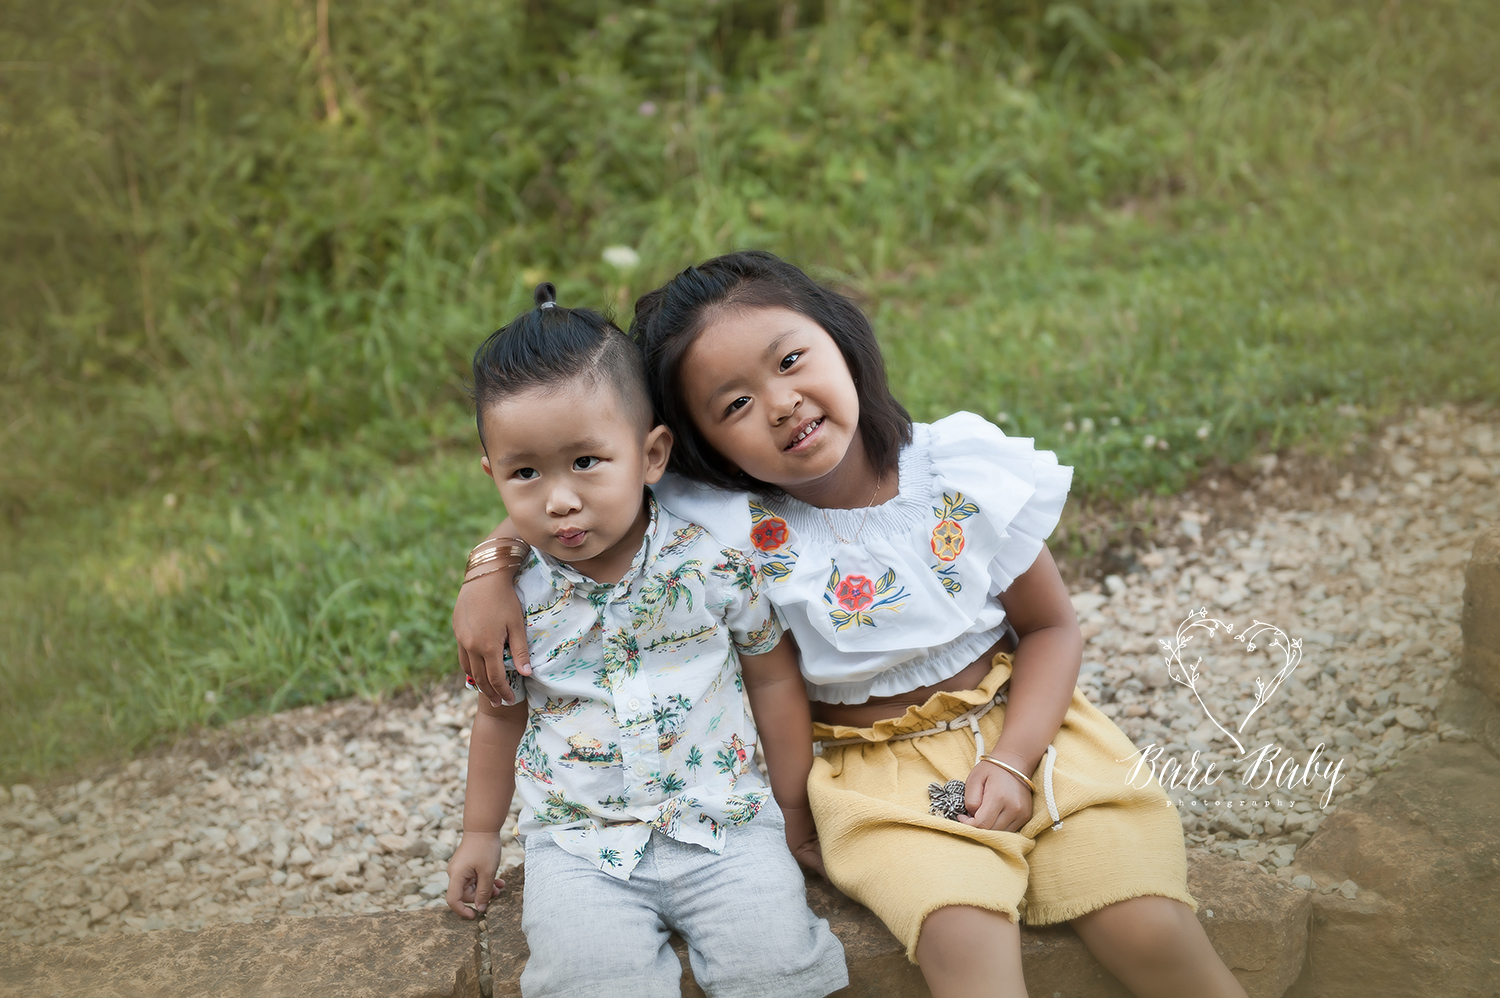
(545, 295)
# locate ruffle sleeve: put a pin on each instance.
(1025, 489)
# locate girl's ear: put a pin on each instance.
(484, 462)
(657, 449)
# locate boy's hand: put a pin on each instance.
(802, 839)
(994, 798)
(471, 873)
(488, 618)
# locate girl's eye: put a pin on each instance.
(790, 359)
(585, 463)
(737, 405)
(526, 474)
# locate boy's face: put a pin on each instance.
(571, 466)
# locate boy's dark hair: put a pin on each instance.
(550, 345)
(669, 319)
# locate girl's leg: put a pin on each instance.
(1157, 949)
(969, 952)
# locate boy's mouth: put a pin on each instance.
(803, 432)
(571, 537)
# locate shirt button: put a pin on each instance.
(640, 769)
(633, 704)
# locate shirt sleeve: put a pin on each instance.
(1019, 489)
(754, 625)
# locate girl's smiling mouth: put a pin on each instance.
(804, 432)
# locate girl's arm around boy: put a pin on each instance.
(487, 795)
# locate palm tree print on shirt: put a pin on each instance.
(559, 810)
(663, 591)
(732, 756)
(737, 567)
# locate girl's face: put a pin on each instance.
(769, 390)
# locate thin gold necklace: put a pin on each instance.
(862, 520)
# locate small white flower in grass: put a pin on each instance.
(647, 108)
(1203, 432)
(1087, 426)
(210, 697)
(1114, 421)
(1002, 416)
(1163, 445)
(621, 257)
(393, 637)
(1148, 441)
(1068, 427)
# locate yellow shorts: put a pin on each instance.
(883, 848)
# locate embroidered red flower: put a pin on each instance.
(947, 540)
(855, 592)
(769, 534)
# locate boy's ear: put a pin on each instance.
(484, 462)
(658, 449)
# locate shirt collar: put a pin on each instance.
(563, 574)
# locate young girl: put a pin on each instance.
(964, 782)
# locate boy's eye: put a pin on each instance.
(790, 359)
(526, 474)
(585, 463)
(737, 405)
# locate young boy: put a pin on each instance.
(643, 811)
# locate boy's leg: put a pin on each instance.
(591, 934)
(745, 918)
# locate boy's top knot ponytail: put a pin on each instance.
(548, 345)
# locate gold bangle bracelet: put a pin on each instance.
(482, 555)
(471, 576)
(1013, 771)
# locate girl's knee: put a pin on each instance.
(1146, 925)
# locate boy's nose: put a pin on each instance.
(562, 501)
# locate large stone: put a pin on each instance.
(422, 954)
(1259, 927)
(1423, 850)
(1481, 620)
(1466, 707)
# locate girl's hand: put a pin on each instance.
(488, 618)
(802, 839)
(994, 798)
(471, 873)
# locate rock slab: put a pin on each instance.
(1481, 616)
(423, 954)
(1259, 926)
(1422, 916)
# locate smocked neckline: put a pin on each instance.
(908, 508)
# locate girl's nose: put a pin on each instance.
(784, 405)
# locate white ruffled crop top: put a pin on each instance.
(908, 599)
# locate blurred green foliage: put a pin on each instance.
(250, 245)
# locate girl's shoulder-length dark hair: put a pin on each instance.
(669, 319)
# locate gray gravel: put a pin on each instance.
(355, 807)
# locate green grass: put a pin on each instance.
(1222, 229)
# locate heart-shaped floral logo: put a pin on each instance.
(1259, 633)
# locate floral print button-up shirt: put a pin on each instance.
(637, 718)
